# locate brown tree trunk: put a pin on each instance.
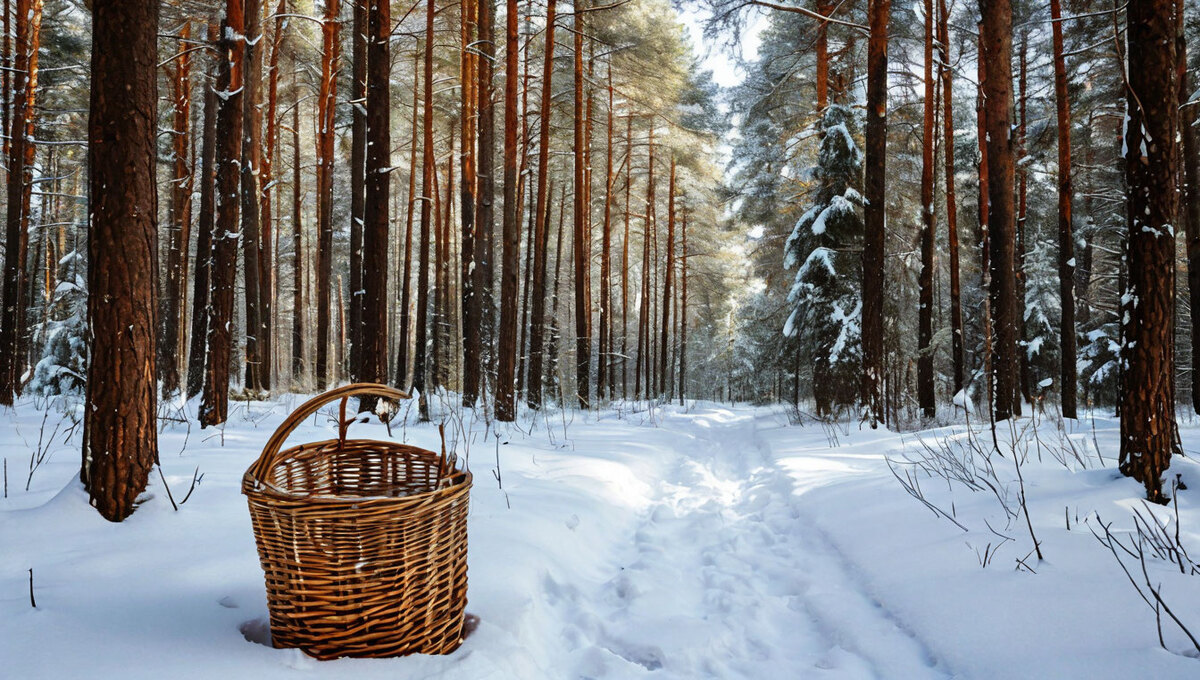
(582, 245)
(625, 259)
(403, 376)
(643, 348)
(214, 404)
(1191, 207)
(925, 391)
(1026, 376)
(603, 356)
(537, 320)
(201, 290)
(506, 397)
(172, 307)
(985, 247)
(20, 176)
(996, 35)
(956, 321)
(358, 156)
(327, 98)
(683, 310)
(298, 307)
(470, 300)
(663, 379)
(1066, 237)
(485, 214)
(120, 438)
(420, 367)
(268, 266)
(1147, 399)
(874, 184)
(251, 153)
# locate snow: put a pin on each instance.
(643, 541)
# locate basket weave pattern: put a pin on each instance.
(363, 542)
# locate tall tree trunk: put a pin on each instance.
(537, 321)
(925, 391)
(403, 376)
(270, 236)
(996, 35)
(945, 73)
(643, 348)
(214, 404)
(251, 153)
(1066, 237)
(201, 290)
(582, 245)
(373, 350)
(485, 215)
(327, 98)
(470, 300)
(506, 397)
(420, 367)
(1026, 376)
(985, 246)
(683, 310)
(663, 379)
(874, 184)
(172, 308)
(298, 307)
(603, 356)
(1191, 207)
(1147, 399)
(120, 413)
(625, 259)
(20, 176)
(358, 156)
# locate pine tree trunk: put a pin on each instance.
(326, 101)
(485, 214)
(20, 176)
(1147, 398)
(298, 307)
(420, 367)
(251, 153)
(582, 246)
(172, 308)
(1026, 377)
(506, 398)
(878, 14)
(925, 388)
(996, 36)
(625, 259)
(1191, 207)
(268, 266)
(537, 320)
(214, 404)
(985, 246)
(683, 310)
(120, 438)
(956, 320)
(358, 155)
(201, 289)
(603, 357)
(1066, 237)
(643, 346)
(663, 379)
(403, 375)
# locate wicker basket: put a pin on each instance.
(363, 543)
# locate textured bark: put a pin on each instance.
(268, 287)
(947, 81)
(298, 307)
(1066, 239)
(603, 361)
(925, 391)
(172, 310)
(372, 354)
(874, 184)
(537, 320)
(1147, 396)
(470, 301)
(16, 221)
(251, 237)
(403, 375)
(120, 438)
(1025, 377)
(683, 310)
(326, 100)
(201, 289)
(485, 213)
(665, 327)
(506, 397)
(625, 259)
(996, 35)
(358, 156)
(582, 244)
(985, 257)
(1191, 207)
(214, 403)
(420, 369)
(642, 372)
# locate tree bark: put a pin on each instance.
(603, 356)
(251, 237)
(428, 167)
(326, 101)
(485, 214)
(996, 35)
(172, 307)
(298, 307)
(267, 263)
(663, 378)
(1066, 238)
(358, 155)
(537, 327)
(214, 404)
(947, 80)
(683, 310)
(1191, 206)
(201, 289)
(582, 244)
(506, 397)
(403, 375)
(120, 413)
(1147, 398)
(874, 184)
(1024, 390)
(925, 388)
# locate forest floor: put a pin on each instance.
(710, 541)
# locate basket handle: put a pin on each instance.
(267, 458)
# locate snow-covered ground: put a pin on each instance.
(701, 542)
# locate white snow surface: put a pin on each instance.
(707, 541)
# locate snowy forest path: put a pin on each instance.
(754, 589)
